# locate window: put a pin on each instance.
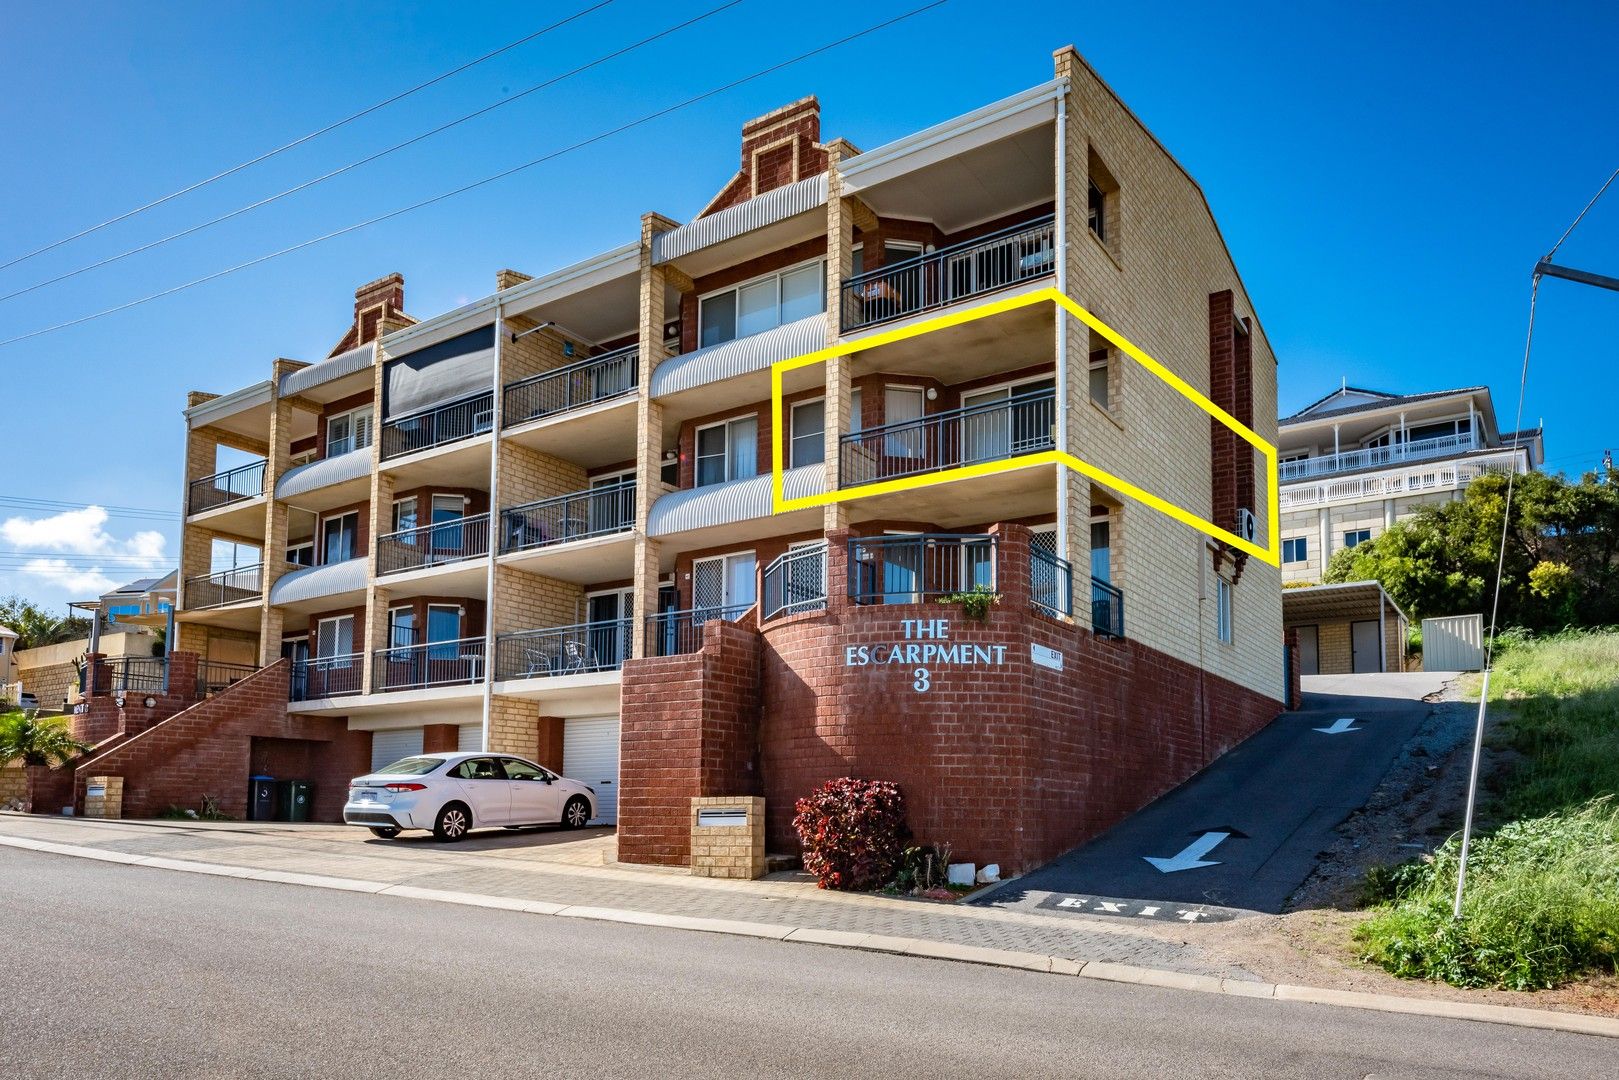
(1296, 549)
(443, 631)
(894, 253)
(335, 638)
(401, 627)
(762, 304)
(348, 431)
(900, 404)
(301, 553)
(809, 432)
(404, 514)
(1222, 609)
(522, 770)
(478, 768)
(1101, 550)
(728, 451)
(1294, 455)
(1096, 210)
(448, 510)
(854, 411)
(1100, 364)
(1356, 537)
(338, 537)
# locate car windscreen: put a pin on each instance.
(412, 766)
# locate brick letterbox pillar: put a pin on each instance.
(104, 797)
(728, 837)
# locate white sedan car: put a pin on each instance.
(451, 794)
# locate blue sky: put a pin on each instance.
(1385, 174)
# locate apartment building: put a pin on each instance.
(543, 523)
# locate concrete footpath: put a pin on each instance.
(572, 875)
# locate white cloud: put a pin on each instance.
(80, 533)
(82, 584)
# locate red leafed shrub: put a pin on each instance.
(853, 832)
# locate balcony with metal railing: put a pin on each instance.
(584, 649)
(576, 386)
(565, 519)
(224, 587)
(439, 426)
(1374, 457)
(127, 674)
(1107, 609)
(323, 677)
(439, 544)
(795, 582)
(951, 275)
(429, 664)
(1051, 582)
(673, 633)
(948, 440)
(224, 488)
(911, 569)
(216, 676)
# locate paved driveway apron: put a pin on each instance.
(1243, 834)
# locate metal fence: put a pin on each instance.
(951, 274)
(433, 545)
(138, 674)
(583, 514)
(795, 581)
(946, 440)
(671, 633)
(214, 676)
(224, 488)
(1051, 582)
(1107, 609)
(328, 677)
(910, 569)
(573, 387)
(439, 425)
(1374, 456)
(433, 663)
(563, 650)
(225, 587)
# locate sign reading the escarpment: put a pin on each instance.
(926, 644)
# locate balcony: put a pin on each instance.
(948, 440)
(674, 633)
(795, 582)
(216, 676)
(911, 569)
(950, 275)
(563, 650)
(582, 515)
(433, 663)
(1107, 609)
(1051, 582)
(327, 677)
(564, 389)
(439, 544)
(1374, 457)
(438, 426)
(128, 674)
(224, 587)
(224, 488)
(1441, 476)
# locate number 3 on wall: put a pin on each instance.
(921, 684)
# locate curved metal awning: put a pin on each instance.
(315, 582)
(324, 472)
(333, 367)
(740, 357)
(722, 504)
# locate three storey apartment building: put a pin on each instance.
(544, 523)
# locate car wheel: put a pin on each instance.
(384, 832)
(576, 813)
(454, 821)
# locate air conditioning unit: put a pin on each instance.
(1247, 527)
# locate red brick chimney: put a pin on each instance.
(375, 303)
(779, 148)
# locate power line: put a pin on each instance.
(340, 170)
(477, 183)
(267, 155)
(57, 506)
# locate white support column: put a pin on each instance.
(498, 408)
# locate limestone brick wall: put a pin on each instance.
(525, 601)
(528, 475)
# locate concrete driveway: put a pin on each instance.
(1243, 834)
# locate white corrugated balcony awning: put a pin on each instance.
(722, 504)
(333, 367)
(758, 212)
(740, 357)
(324, 472)
(315, 582)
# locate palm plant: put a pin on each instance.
(37, 740)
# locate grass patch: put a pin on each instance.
(1542, 901)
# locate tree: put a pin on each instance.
(37, 627)
(36, 740)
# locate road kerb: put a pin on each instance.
(1577, 1023)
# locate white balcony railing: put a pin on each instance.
(1386, 485)
(1376, 456)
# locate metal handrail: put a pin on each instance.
(223, 488)
(563, 650)
(125, 673)
(951, 274)
(432, 663)
(327, 677)
(795, 581)
(1051, 582)
(433, 545)
(563, 389)
(224, 587)
(1107, 609)
(909, 569)
(945, 440)
(439, 425)
(579, 515)
(673, 633)
(1375, 456)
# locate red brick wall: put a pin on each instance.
(767, 166)
(440, 738)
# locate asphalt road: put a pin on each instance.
(134, 972)
(1276, 798)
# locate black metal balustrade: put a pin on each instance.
(795, 581)
(328, 677)
(563, 650)
(224, 587)
(1051, 582)
(439, 425)
(672, 633)
(600, 511)
(579, 384)
(1107, 609)
(913, 568)
(433, 545)
(214, 676)
(946, 440)
(950, 275)
(129, 674)
(432, 663)
(223, 488)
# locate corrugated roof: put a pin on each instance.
(755, 352)
(759, 211)
(318, 581)
(721, 504)
(333, 367)
(323, 472)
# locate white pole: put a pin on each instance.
(1472, 793)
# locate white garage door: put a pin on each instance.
(388, 747)
(469, 740)
(590, 755)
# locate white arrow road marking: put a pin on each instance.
(1191, 857)
(1341, 726)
